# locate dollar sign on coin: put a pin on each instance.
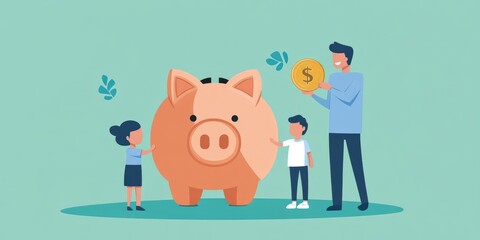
(307, 74)
(309, 77)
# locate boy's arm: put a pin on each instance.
(149, 150)
(278, 144)
(310, 159)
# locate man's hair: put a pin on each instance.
(340, 48)
(299, 119)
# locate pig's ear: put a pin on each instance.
(249, 83)
(179, 83)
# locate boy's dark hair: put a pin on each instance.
(340, 48)
(299, 119)
(121, 132)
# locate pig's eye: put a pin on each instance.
(193, 118)
(234, 118)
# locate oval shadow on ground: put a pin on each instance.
(218, 209)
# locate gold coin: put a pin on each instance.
(307, 74)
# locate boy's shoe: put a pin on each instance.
(139, 208)
(303, 205)
(291, 206)
(129, 208)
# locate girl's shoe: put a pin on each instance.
(139, 208)
(129, 208)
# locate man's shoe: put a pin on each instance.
(303, 205)
(139, 208)
(363, 206)
(334, 208)
(291, 206)
(129, 208)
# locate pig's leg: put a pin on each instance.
(242, 194)
(185, 195)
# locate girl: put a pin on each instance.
(130, 133)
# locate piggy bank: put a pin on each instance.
(214, 136)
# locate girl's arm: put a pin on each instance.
(149, 150)
(278, 144)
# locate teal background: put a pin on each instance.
(419, 60)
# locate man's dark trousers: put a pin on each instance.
(336, 142)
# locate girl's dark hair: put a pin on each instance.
(121, 132)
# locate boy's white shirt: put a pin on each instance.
(297, 152)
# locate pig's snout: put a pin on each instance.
(214, 142)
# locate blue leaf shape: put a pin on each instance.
(104, 79)
(110, 84)
(271, 61)
(285, 57)
(103, 90)
(279, 67)
(113, 92)
(108, 97)
(276, 55)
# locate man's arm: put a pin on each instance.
(320, 100)
(349, 94)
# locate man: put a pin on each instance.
(344, 100)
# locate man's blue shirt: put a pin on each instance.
(345, 101)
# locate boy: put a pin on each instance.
(298, 151)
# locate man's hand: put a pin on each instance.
(307, 93)
(325, 85)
